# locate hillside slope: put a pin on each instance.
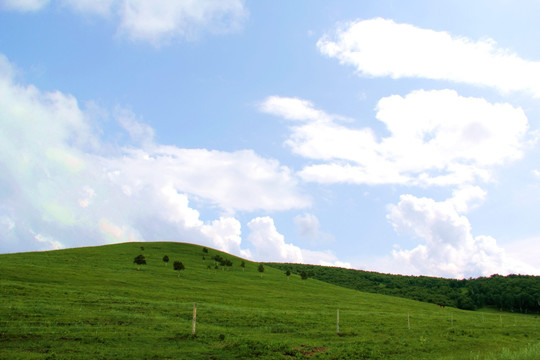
(514, 293)
(93, 303)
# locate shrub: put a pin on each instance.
(139, 260)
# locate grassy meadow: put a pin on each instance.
(92, 303)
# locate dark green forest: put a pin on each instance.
(515, 293)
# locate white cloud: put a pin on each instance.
(528, 251)
(225, 234)
(59, 180)
(449, 248)
(157, 21)
(324, 258)
(163, 20)
(239, 180)
(436, 138)
(292, 109)
(139, 132)
(270, 245)
(380, 47)
(23, 5)
(94, 7)
(49, 242)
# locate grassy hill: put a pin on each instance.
(93, 303)
(513, 293)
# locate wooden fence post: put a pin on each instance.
(194, 318)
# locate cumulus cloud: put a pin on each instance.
(158, 21)
(270, 245)
(239, 180)
(61, 185)
(449, 248)
(381, 47)
(436, 138)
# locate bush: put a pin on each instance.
(139, 260)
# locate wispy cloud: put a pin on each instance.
(157, 22)
(23, 5)
(381, 47)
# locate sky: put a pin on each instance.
(391, 136)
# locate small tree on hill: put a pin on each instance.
(178, 266)
(243, 265)
(139, 260)
(288, 273)
(261, 269)
(205, 250)
(304, 275)
(165, 259)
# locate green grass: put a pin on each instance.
(93, 303)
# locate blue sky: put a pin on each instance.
(394, 136)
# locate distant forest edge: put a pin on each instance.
(515, 293)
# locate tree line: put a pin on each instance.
(516, 293)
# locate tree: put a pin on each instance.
(243, 265)
(178, 266)
(304, 275)
(261, 269)
(165, 259)
(288, 273)
(139, 260)
(205, 250)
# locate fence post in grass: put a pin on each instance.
(194, 318)
(408, 321)
(337, 329)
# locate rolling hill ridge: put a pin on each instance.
(93, 303)
(513, 293)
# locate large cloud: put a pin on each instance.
(436, 137)
(449, 249)
(156, 21)
(62, 186)
(380, 47)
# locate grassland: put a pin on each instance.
(93, 303)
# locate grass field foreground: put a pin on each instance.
(93, 303)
